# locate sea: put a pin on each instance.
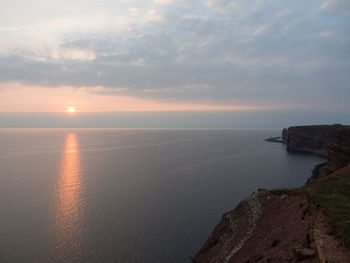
(130, 195)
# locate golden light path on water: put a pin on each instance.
(68, 208)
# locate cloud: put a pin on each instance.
(260, 29)
(252, 52)
(163, 2)
(134, 11)
(326, 34)
(221, 5)
(338, 6)
(74, 54)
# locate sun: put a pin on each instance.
(71, 109)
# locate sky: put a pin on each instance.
(249, 57)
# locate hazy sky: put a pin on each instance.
(166, 55)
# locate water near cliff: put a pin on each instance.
(109, 195)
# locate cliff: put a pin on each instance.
(282, 231)
(331, 141)
(339, 149)
(314, 138)
(309, 224)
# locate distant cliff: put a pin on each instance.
(313, 138)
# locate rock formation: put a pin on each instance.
(339, 149)
(313, 138)
(282, 232)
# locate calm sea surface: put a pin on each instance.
(129, 195)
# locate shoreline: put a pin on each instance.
(320, 153)
(291, 225)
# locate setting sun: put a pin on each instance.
(71, 109)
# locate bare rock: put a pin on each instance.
(303, 253)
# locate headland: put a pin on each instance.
(308, 224)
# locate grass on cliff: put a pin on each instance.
(333, 195)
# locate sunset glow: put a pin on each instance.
(71, 109)
(165, 55)
(51, 100)
(66, 225)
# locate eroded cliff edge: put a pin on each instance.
(310, 224)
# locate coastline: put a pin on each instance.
(289, 225)
(320, 153)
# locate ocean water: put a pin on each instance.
(129, 195)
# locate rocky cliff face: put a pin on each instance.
(314, 138)
(272, 226)
(277, 226)
(284, 135)
(266, 227)
(339, 149)
(331, 141)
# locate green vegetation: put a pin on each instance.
(333, 195)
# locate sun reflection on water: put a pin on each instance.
(69, 204)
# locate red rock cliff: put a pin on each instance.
(265, 227)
